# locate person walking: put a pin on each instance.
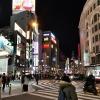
(3, 81)
(67, 91)
(7, 80)
(25, 84)
(90, 84)
(37, 78)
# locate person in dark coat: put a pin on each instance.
(68, 90)
(37, 78)
(7, 80)
(90, 84)
(3, 81)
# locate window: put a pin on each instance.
(95, 27)
(99, 37)
(86, 25)
(93, 49)
(96, 38)
(94, 6)
(93, 39)
(87, 34)
(92, 29)
(97, 49)
(87, 43)
(98, 2)
(91, 9)
(95, 18)
(99, 25)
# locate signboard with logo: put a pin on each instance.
(23, 5)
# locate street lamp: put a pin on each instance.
(33, 30)
(34, 24)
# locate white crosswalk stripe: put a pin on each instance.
(50, 91)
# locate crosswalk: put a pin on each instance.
(50, 89)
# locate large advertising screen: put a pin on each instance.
(23, 5)
(5, 45)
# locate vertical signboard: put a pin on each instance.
(86, 59)
(23, 5)
(3, 65)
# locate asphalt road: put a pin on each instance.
(25, 97)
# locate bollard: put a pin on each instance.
(9, 89)
(0, 92)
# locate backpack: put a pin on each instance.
(61, 95)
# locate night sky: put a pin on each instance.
(62, 18)
(59, 16)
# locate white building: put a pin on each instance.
(89, 27)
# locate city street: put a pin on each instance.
(46, 90)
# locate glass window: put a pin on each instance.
(99, 25)
(92, 29)
(93, 49)
(93, 39)
(94, 6)
(99, 37)
(98, 2)
(97, 48)
(87, 43)
(87, 34)
(95, 18)
(95, 27)
(96, 38)
(91, 9)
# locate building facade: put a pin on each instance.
(50, 51)
(89, 27)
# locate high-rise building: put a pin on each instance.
(50, 49)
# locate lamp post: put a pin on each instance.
(33, 25)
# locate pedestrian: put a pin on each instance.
(37, 78)
(7, 80)
(67, 91)
(25, 84)
(3, 81)
(90, 84)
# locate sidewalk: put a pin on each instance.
(16, 89)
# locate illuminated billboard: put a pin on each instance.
(18, 45)
(86, 59)
(23, 5)
(5, 45)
